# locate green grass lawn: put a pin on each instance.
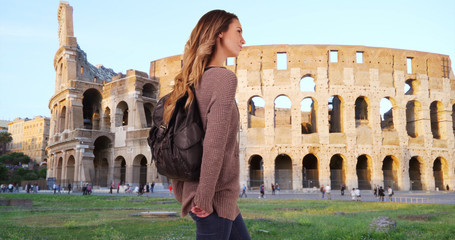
(107, 217)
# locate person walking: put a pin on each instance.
(54, 187)
(353, 194)
(212, 201)
(322, 191)
(342, 189)
(152, 186)
(357, 194)
(244, 191)
(390, 192)
(69, 188)
(261, 191)
(273, 189)
(381, 194)
(328, 191)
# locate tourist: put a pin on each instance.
(342, 189)
(322, 191)
(261, 191)
(216, 37)
(328, 190)
(353, 194)
(244, 191)
(390, 192)
(277, 188)
(69, 188)
(54, 187)
(381, 194)
(375, 191)
(152, 186)
(357, 194)
(273, 189)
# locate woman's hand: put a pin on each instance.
(199, 212)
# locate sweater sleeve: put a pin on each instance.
(219, 114)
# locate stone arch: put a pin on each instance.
(440, 173)
(437, 120)
(361, 111)
(283, 171)
(386, 107)
(256, 112)
(363, 170)
(70, 165)
(390, 171)
(335, 107)
(91, 109)
(149, 91)
(411, 87)
(120, 170)
(308, 111)
(337, 171)
(256, 170)
(140, 170)
(62, 119)
(148, 110)
(413, 118)
(310, 171)
(416, 171)
(282, 110)
(307, 83)
(102, 152)
(121, 114)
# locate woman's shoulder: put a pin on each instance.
(220, 72)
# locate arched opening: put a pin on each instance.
(335, 116)
(361, 111)
(282, 109)
(102, 150)
(283, 171)
(363, 169)
(256, 112)
(107, 118)
(59, 171)
(440, 173)
(70, 170)
(390, 172)
(62, 120)
(120, 170)
(148, 109)
(256, 166)
(415, 174)
(121, 114)
(310, 171)
(140, 170)
(337, 172)
(149, 91)
(91, 109)
(307, 84)
(386, 111)
(437, 119)
(413, 120)
(308, 115)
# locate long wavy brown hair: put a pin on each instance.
(198, 53)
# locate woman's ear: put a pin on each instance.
(220, 35)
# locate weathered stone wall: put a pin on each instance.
(382, 73)
(99, 119)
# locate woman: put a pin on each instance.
(212, 201)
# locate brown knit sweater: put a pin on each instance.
(218, 187)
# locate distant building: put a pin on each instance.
(4, 125)
(30, 137)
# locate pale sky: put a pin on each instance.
(129, 34)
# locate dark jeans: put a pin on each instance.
(217, 228)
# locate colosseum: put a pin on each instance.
(310, 115)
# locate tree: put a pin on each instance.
(15, 158)
(3, 172)
(5, 138)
